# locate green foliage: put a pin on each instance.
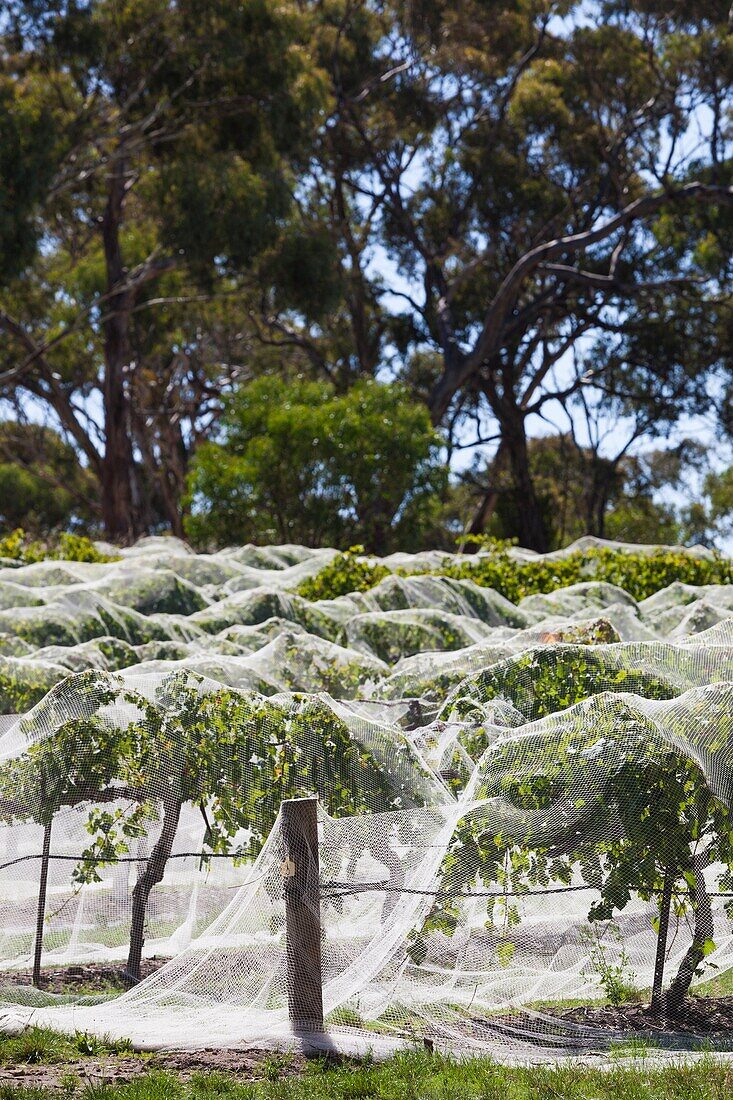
(599, 794)
(413, 1074)
(54, 626)
(23, 684)
(234, 752)
(641, 575)
(397, 634)
(459, 129)
(28, 153)
(719, 489)
(18, 546)
(39, 1046)
(34, 1046)
(610, 962)
(348, 572)
(301, 270)
(110, 832)
(495, 141)
(235, 756)
(204, 157)
(545, 681)
(301, 463)
(43, 485)
(579, 492)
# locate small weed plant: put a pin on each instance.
(609, 960)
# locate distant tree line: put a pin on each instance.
(266, 271)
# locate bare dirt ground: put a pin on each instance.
(82, 978)
(708, 1017)
(703, 1022)
(245, 1064)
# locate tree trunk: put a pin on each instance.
(117, 506)
(657, 1001)
(530, 526)
(703, 933)
(164, 458)
(482, 515)
(366, 331)
(41, 910)
(601, 477)
(117, 470)
(151, 877)
(170, 497)
(487, 505)
(172, 476)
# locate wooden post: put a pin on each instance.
(302, 913)
(664, 907)
(41, 913)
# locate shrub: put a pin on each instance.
(347, 572)
(18, 546)
(639, 574)
(299, 462)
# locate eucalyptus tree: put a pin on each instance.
(508, 185)
(30, 142)
(177, 128)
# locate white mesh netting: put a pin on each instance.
(507, 796)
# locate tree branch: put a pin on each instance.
(492, 329)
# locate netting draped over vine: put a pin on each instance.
(506, 793)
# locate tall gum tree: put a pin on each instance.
(179, 128)
(529, 181)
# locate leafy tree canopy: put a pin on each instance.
(174, 134)
(43, 486)
(300, 463)
(527, 174)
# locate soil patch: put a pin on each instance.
(704, 1017)
(248, 1065)
(82, 977)
(594, 1027)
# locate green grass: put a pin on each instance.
(41, 1046)
(721, 985)
(417, 1076)
(425, 1077)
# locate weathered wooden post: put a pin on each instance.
(664, 907)
(302, 913)
(41, 912)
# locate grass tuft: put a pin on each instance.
(41, 1046)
